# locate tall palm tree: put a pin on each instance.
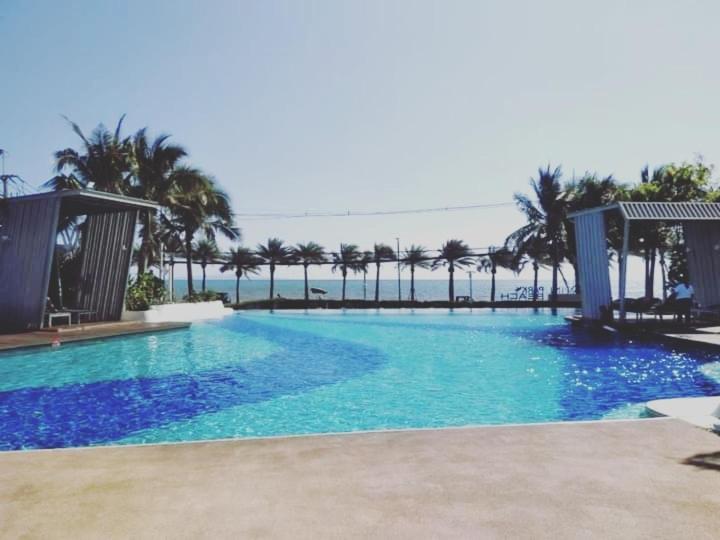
(454, 253)
(197, 205)
(381, 253)
(415, 257)
(244, 262)
(545, 217)
(205, 252)
(307, 254)
(274, 253)
(503, 257)
(348, 258)
(104, 163)
(155, 162)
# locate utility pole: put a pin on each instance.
(397, 239)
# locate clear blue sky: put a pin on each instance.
(364, 105)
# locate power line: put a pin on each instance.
(365, 213)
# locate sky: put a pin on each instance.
(325, 106)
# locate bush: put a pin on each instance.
(207, 296)
(145, 291)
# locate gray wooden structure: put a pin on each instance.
(28, 237)
(701, 231)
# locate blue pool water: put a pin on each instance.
(262, 374)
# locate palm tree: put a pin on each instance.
(244, 262)
(381, 252)
(274, 253)
(155, 163)
(545, 217)
(415, 257)
(197, 204)
(531, 249)
(503, 257)
(173, 246)
(348, 258)
(363, 266)
(453, 253)
(205, 252)
(307, 254)
(104, 163)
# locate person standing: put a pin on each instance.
(683, 294)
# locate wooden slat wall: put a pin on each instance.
(593, 265)
(25, 261)
(107, 249)
(702, 240)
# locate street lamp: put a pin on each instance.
(470, 273)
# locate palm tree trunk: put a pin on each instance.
(344, 275)
(556, 267)
(653, 255)
(188, 262)
(536, 267)
(451, 283)
(272, 280)
(664, 276)
(307, 293)
(648, 292)
(237, 288)
(144, 250)
(492, 285)
(577, 277)
(377, 283)
(412, 282)
(203, 281)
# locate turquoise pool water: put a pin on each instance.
(262, 374)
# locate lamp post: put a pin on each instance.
(397, 239)
(470, 273)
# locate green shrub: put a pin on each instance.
(207, 296)
(145, 291)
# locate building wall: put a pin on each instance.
(106, 253)
(593, 264)
(28, 230)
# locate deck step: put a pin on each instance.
(82, 327)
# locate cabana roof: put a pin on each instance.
(89, 201)
(660, 211)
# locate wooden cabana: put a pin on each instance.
(28, 238)
(701, 231)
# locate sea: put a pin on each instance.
(357, 289)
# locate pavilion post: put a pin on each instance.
(623, 267)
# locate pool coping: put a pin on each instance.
(36, 340)
(343, 433)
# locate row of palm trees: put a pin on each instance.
(192, 204)
(454, 254)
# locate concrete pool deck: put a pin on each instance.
(656, 478)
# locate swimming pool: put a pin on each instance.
(263, 374)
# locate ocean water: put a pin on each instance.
(295, 372)
(426, 289)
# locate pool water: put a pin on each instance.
(262, 374)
